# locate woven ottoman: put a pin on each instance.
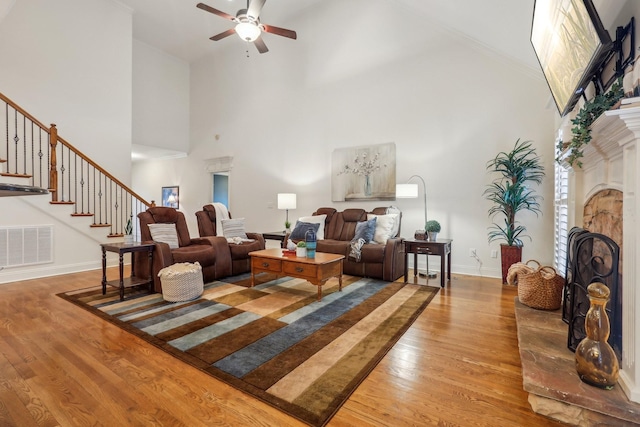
(181, 282)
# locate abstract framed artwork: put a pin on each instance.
(171, 197)
(364, 173)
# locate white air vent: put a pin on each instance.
(26, 245)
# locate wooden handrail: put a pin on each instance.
(73, 177)
(54, 138)
(98, 167)
(23, 112)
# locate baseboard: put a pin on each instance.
(9, 275)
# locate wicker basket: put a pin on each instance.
(540, 288)
(181, 282)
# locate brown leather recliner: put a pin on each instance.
(211, 252)
(240, 259)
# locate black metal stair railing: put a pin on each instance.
(35, 153)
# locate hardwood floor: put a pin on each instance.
(458, 365)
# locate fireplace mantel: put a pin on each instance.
(611, 160)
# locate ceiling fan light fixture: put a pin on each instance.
(248, 31)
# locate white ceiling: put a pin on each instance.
(182, 30)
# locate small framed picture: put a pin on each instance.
(171, 197)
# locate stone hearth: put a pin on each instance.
(549, 376)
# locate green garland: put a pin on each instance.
(583, 121)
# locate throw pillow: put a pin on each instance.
(365, 230)
(233, 228)
(384, 227)
(164, 233)
(301, 229)
(392, 210)
(316, 219)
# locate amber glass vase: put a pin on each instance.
(596, 362)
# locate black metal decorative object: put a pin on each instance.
(568, 272)
(593, 257)
(617, 60)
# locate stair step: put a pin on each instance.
(100, 225)
(16, 175)
(62, 202)
(116, 235)
(82, 214)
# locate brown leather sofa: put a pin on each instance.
(378, 261)
(239, 253)
(211, 252)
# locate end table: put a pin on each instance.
(440, 247)
(121, 249)
(275, 235)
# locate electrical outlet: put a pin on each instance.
(494, 254)
(472, 252)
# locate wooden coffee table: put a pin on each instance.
(316, 270)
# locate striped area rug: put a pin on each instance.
(274, 341)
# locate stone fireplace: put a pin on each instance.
(603, 214)
(603, 198)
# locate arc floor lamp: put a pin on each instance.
(410, 191)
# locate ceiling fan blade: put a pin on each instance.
(215, 11)
(223, 35)
(280, 31)
(262, 48)
(255, 7)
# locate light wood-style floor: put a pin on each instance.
(458, 365)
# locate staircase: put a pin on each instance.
(34, 159)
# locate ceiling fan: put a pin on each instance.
(248, 26)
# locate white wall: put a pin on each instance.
(363, 73)
(69, 62)
(160, 99)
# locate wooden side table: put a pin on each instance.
(121, 249)
(275, 235)
(441, 247)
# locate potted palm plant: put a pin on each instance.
(509, 194)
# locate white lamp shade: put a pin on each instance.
(406, 191)
(248, 32)
(286, 201)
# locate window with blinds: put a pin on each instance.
(561, 218)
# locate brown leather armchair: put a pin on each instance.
(211, 252)
(240, 259)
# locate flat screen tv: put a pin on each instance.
(570, 43)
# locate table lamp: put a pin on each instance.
(286, 201)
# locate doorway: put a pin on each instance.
(220, 185)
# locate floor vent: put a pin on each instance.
(26, 245)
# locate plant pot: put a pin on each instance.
(509, 255)
(128, 239)
(301, 252)
(433, 235)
